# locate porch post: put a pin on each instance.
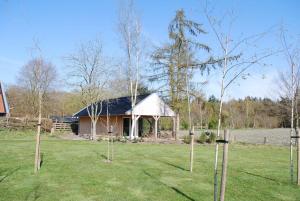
(155, 128)
(156, 118)
(136, 129)
(130, 133)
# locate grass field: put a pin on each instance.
(75, 170)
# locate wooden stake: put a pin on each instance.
(298, 158)
(224, 165)
(291, 157)
(37, 161)
(108, 135)
(112, 143)
(112, 149)
(192, 149)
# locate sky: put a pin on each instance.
(61, 25)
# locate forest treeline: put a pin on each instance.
(250, 112)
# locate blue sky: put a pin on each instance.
(60, 25)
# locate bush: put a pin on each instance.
(184, 125)
(187, 139)
(212, 138)
(212, 124)
(203, 138)
(137, 140)
(15, 123)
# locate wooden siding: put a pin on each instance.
(115, 121)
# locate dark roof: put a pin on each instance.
(116, 106)
(65, 119)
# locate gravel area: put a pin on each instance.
(278, 136)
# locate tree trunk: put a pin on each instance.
(177, 125)
(94, 129)
(201, 117)
(132, 133)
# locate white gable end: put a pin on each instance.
(152, 105)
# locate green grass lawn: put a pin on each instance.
(75, 170)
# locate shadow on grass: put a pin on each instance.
(7, 173)
(263, 177)
(104, 157)
(98, 155)
(171, 187)
(171, 164)
(42, 160)
(34, 194)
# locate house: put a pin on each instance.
(4, 109)
(118, 114)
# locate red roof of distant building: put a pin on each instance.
(2, 107)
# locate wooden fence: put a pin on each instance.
(58, 126)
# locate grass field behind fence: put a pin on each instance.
(75, 170)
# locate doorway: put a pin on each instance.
(126, 126)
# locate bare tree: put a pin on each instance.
(235, 64)
(129, 27)
(89, 73)
(38, 76)
(289, 88)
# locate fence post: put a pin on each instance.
(224, 165)
(52, 131)
(265, 140)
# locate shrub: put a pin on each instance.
(202, 138)
(137, 140)
(184, 125)
(212, 138)
(212, 124)
(14, 123)
(187, 139)
(120, 139)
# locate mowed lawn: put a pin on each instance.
(75, 170)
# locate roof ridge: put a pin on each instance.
(146, 94)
